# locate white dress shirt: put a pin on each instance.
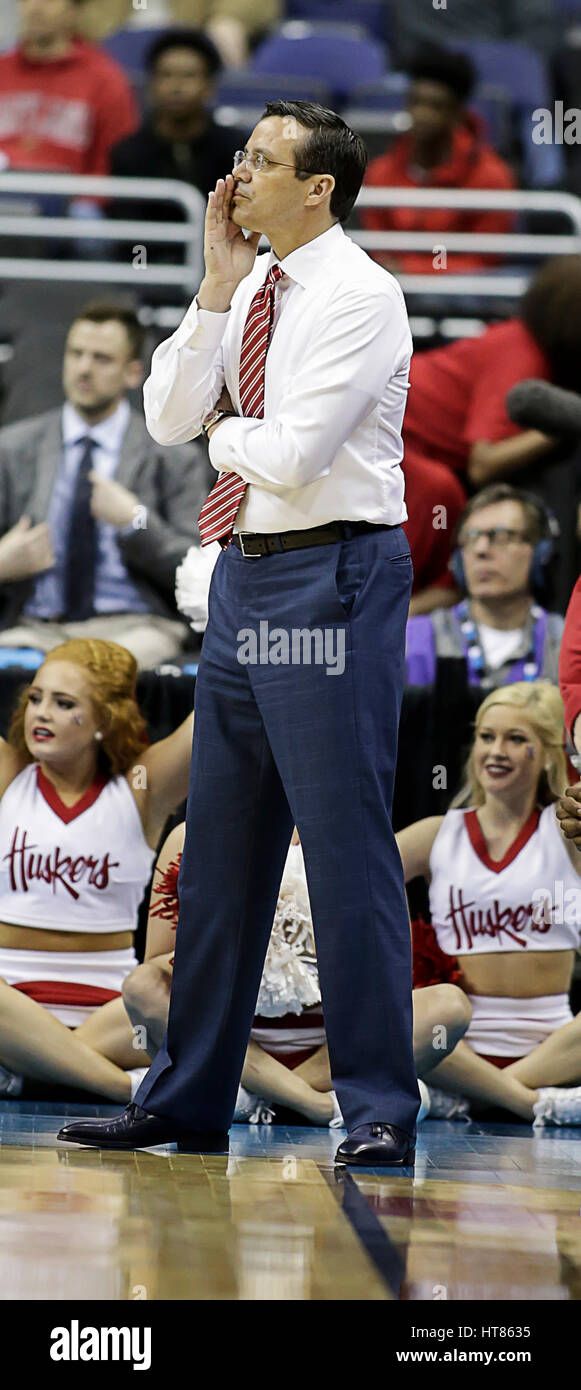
(329, 446)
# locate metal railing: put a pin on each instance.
(487, 284)
(189, 233)
(42, 225)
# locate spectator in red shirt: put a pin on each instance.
(445, 148)
(63, 103)
(570, 667)
(456, 426)
(569, 807)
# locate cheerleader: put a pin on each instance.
(83, 803)
(287, 1062)
(505, 905)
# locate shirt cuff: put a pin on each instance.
(229, 433)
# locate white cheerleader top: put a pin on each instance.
(290, 980)
(528, 900)
(81, 868)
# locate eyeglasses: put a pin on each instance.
(501, 536)
(257, 161)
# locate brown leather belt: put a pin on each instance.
(253, 545)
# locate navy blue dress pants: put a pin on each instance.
(281, 740)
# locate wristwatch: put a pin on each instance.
(212, 419)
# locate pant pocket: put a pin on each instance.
(348, 576)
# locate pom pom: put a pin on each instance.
(431, 965)
(193, 578)
(290, 981)
(165, 893)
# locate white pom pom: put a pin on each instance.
(193, 578)
(290, 981)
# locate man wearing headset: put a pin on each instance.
(504, 547)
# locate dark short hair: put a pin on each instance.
(551, 310)
(194, 39)
(330, 147)
(105, 311)
(453, 70)
(536, 520)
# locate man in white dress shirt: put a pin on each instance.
(311, 453)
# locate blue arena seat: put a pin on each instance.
(253, 89)
(129, 47)
(334, 54)
(388, 94)
(372, 15)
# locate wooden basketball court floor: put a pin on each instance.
(490, 1212)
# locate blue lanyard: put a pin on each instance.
(525, 669)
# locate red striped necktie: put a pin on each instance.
(218, 514)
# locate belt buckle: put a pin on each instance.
(248, 554)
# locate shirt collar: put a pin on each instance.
(77, 50)
(108, 433)
(304, 265)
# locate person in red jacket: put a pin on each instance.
(63, 103)
(569, 807)
(457, 431)
(570, 667)
(444, 148)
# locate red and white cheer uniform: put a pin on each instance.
(81, 868)
(530, 900)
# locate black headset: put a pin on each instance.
(543, 553)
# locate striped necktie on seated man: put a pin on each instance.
(81, 550)
(218, 514)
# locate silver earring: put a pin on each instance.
(99, 736)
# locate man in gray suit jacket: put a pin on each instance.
(90, 506)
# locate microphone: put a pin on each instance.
(541, 406)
